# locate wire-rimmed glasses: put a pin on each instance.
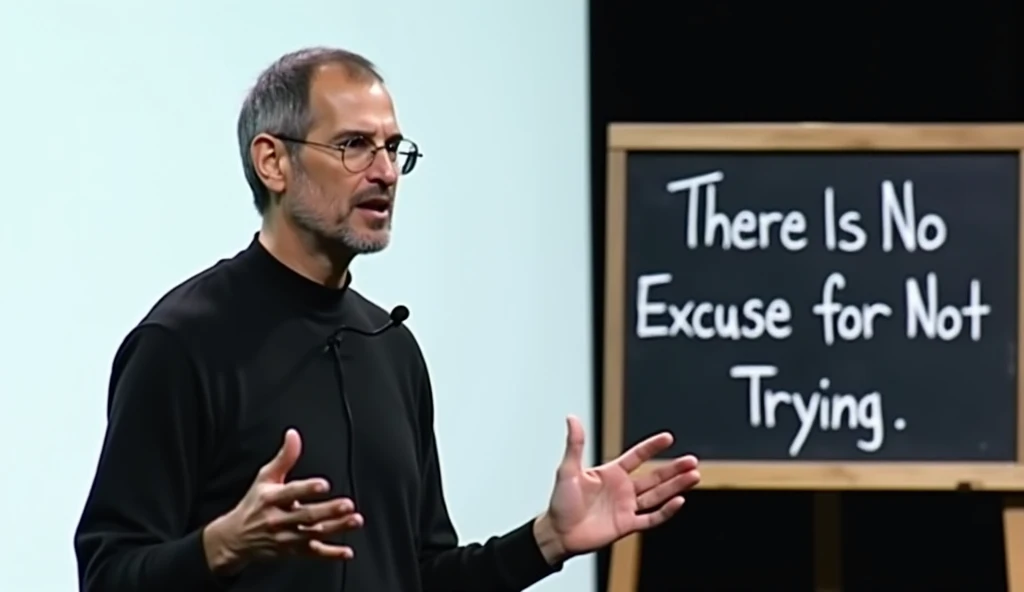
(357, 152)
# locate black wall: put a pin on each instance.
(727, 61)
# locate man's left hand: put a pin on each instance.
(592, 508)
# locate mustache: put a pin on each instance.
(369, 194)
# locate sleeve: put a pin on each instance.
(133, 533)
(508, 563)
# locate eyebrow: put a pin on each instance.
(344, 134)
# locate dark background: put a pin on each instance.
(727, 61)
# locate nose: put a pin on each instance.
(382, 170)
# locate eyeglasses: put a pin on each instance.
(358, 152)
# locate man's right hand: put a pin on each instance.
(272, 520)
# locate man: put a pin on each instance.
(262, 436)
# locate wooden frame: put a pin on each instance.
(824, 477)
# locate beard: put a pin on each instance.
(324, 216)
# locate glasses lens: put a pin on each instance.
(357, 154)
(405, 157)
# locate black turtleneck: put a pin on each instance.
(201, 394)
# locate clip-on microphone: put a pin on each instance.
(397, 316)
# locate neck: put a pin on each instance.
(305, 254)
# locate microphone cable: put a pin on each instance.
(397, 316)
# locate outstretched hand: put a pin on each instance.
(591, 508)
(279, 518)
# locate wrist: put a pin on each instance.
(221, 558)
(548, 541)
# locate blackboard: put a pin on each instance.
(874, 272)
(831, 297)
(867, 308)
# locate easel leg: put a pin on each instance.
(624, 571)
(1013, 534)
(827, 545)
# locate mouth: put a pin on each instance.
(380, 205)
(376, 210)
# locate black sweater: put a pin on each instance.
(201, 394)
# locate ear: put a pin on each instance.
(270, 160)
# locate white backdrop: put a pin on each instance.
(121, 178)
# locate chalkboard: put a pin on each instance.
(816, 305)
(865, 278)
(823, 306)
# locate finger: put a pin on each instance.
(647, 521)
(282, 463)
(644, 451)
(309, 514)
(333, 526)
(329, 551)
(678, 466)
(572, 462)
(660, 494)
(286, 495)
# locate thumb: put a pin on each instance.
(283, 462)
(572, 462)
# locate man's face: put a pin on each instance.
(345, 198)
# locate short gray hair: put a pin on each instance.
(278, 103)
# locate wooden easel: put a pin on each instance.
(1013, 534)
(828, 479)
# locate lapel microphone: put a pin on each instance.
(397, 316)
